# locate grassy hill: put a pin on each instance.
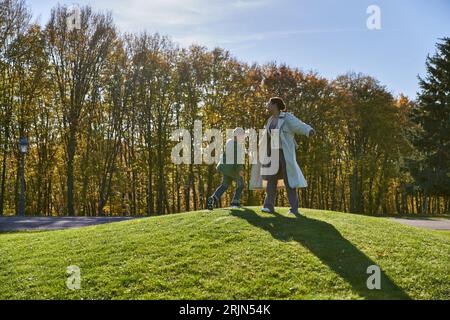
(229, 254)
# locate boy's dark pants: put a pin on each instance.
(226, 182)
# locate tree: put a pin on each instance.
(14, 23)
(77, 58)
(431, 166)
(371, 132)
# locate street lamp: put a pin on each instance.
(23, 148)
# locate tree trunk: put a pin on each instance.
(71, 148)
(354, 192)
(3, 184)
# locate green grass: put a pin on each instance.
(239, 254)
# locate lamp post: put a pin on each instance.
(23, 148)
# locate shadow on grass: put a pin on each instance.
(327, 244)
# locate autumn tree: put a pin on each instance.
(77, 57)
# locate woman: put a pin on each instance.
(288, 170)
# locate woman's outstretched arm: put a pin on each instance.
(299, 127)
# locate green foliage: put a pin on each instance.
(431, 167)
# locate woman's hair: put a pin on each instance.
(279, 103)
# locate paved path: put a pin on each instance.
(427, 223)
(52, 223)
(55, 223)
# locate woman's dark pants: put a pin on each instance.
(271, 190)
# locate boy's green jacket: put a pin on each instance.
(231, 169)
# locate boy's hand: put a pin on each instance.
(312, 133)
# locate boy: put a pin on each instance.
(231, 171)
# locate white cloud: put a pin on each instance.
(186, 21)
(160, 14)
(189, 22)
(211, 40)
(248, 3)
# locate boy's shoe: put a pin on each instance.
(211, 203)
(267, 210)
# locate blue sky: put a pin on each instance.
(327, 36)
